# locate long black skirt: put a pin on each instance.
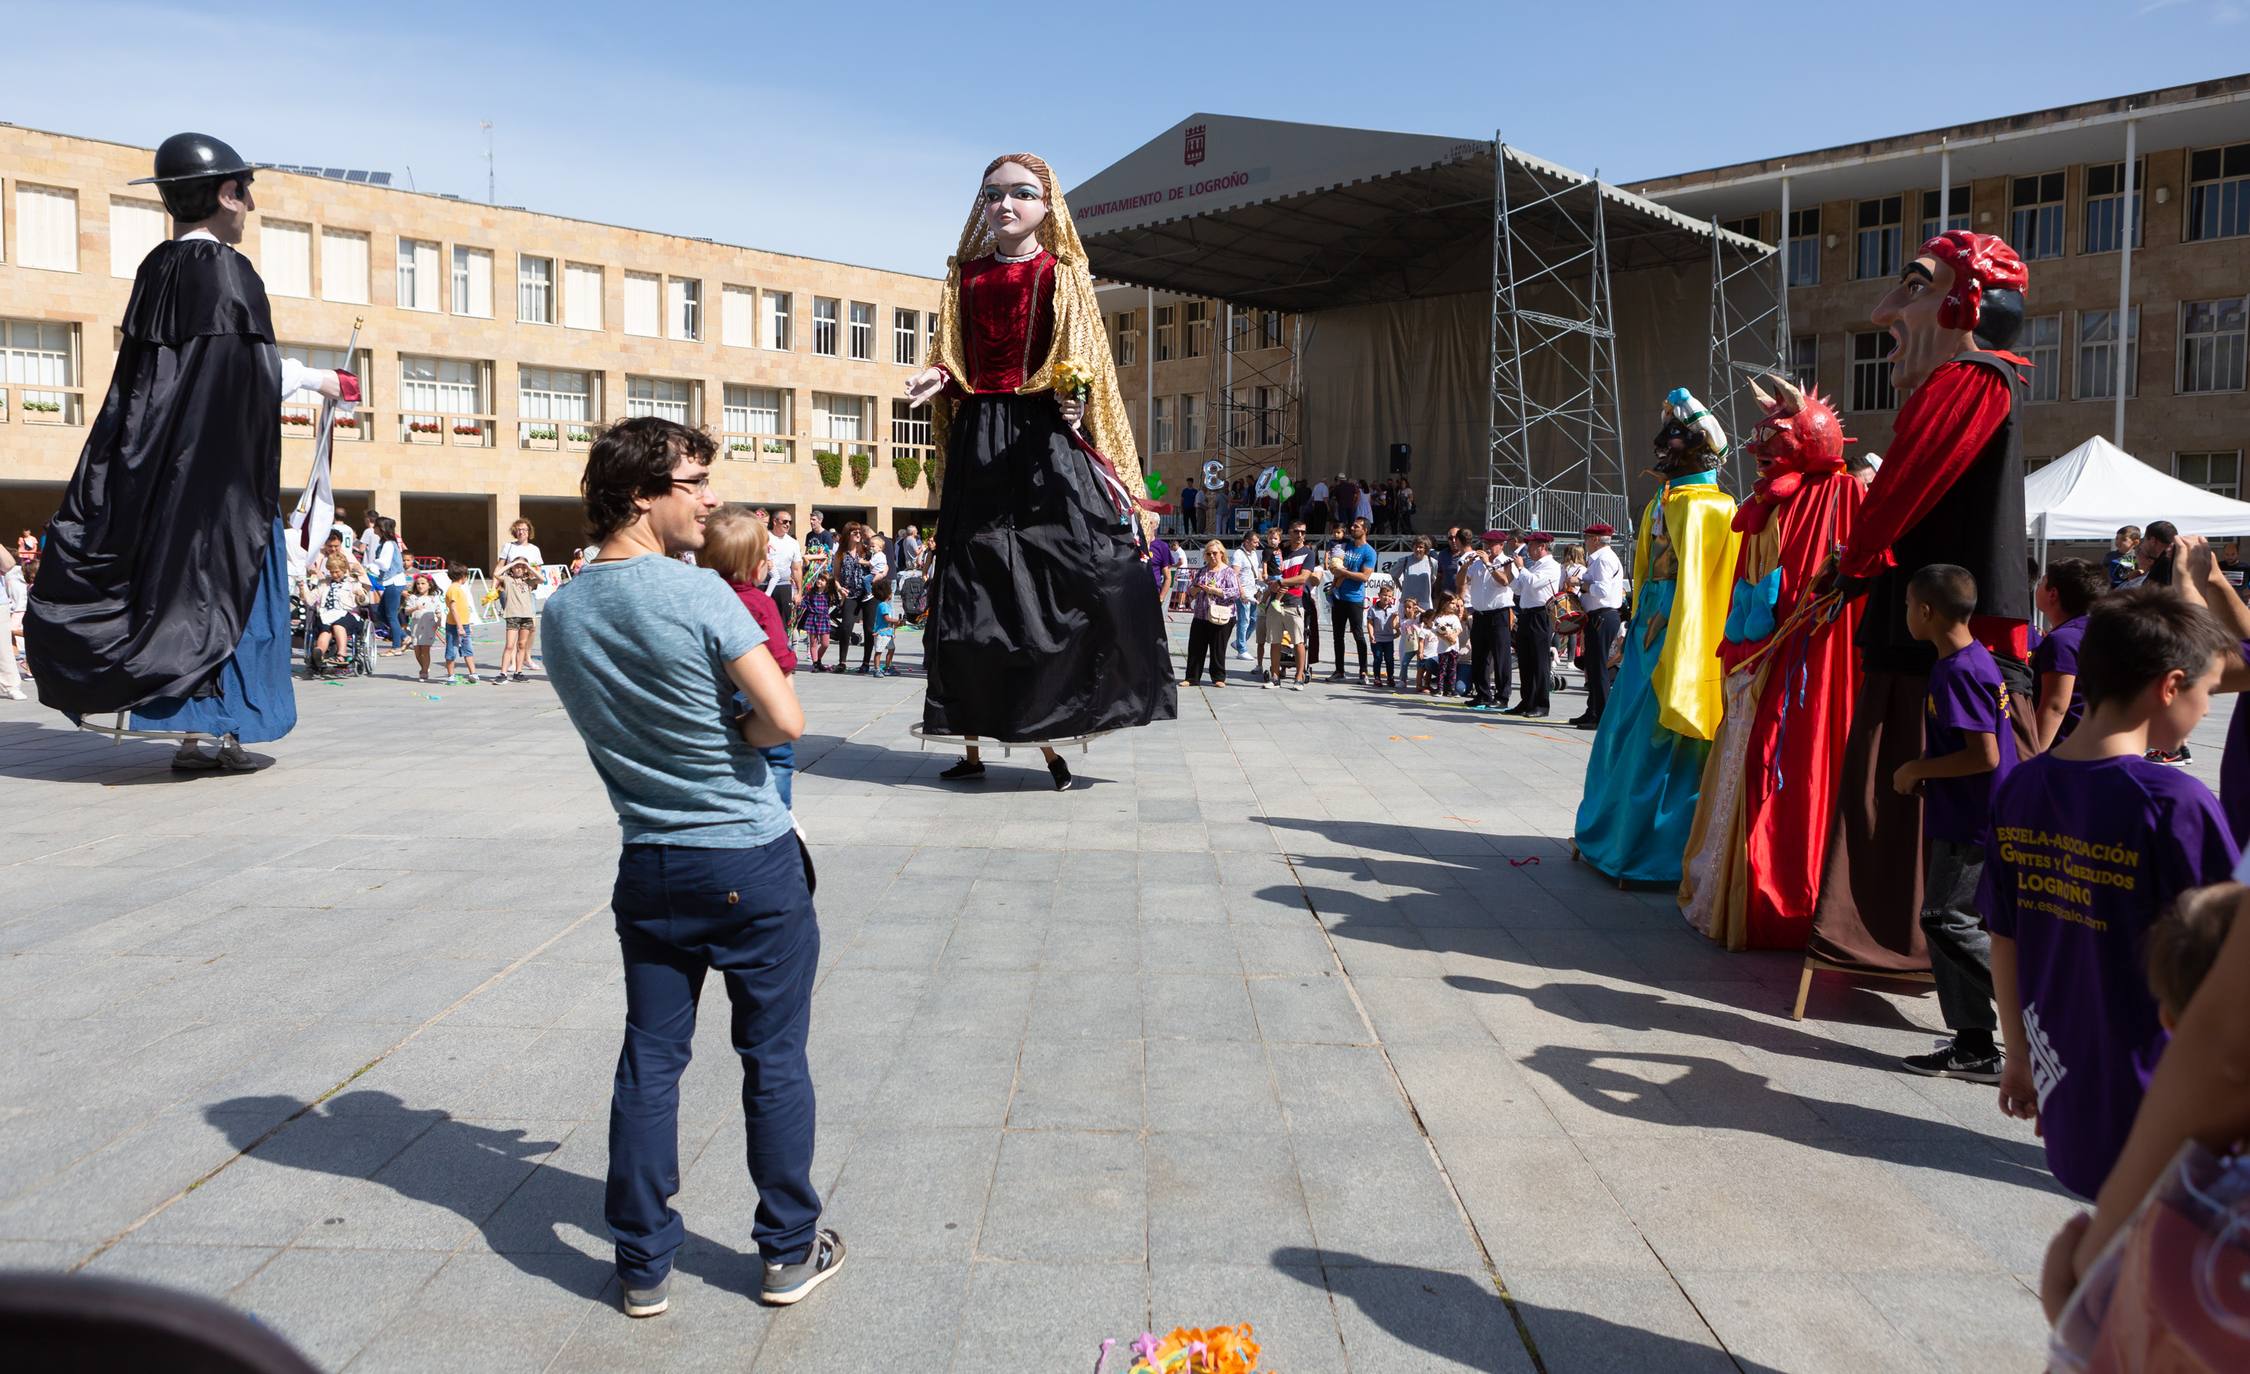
(1043, 619)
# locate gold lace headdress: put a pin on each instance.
(1079, 336)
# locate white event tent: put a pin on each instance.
(2096, 487)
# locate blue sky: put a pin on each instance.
(855, 131)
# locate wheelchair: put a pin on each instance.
(358, 659)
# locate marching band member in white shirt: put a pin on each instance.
(1490, 600)
(1601, 592)
(1538, 579)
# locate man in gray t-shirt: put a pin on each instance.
(669, 682)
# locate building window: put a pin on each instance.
(738, 316)
(2042, 343)
(1269, 416)
(1876, 247)
(2211, 345)
(1167, 333)
(1804, 359)
(2097, 354)
(47, 227)
(284, 257)
(683, 308)
(418, 287)
(669, 398)
(472, 282)
(749, 412)
(343, 266)
(1871, 372)
(929, 333)
(300, 414)
(2218, 204)
(135, 227)
(1269, 329)
(39, 367)
(839, 417)
(1956, 213)
(1198, 329)
(1159, 425)
(644, 304)
(2035, 216)
(1191, 422)
(824, 317)
(582, 295)
(906, 337)
(1124, 338)
(554, 406)
(1804, 246)
(779, 321)
(2219, 472)
(863, 331)
(2105, 206)
(441, 386)
(910, 425)
(1749, 226)
(535, 289)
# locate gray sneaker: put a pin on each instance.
(650, 1301)
(789, 1283)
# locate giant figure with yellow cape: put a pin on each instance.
(1647, 764)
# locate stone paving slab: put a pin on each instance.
(1295, 1011)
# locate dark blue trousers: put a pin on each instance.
(746, 913)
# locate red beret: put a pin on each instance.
(1538, 537)
(1496, 536)
(1599, 528)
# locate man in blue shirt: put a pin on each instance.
(1351, 566)
(671, 686)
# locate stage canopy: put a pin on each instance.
(1515, 321)
(2096, 487)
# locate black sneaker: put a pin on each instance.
(967, 770)
(789, 1283)
(1060, 772)
(650, 1301)
(1949, 1060)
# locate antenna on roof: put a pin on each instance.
(490, 195)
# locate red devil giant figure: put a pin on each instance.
(1751, 875)
(1950, 491)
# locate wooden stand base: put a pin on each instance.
(1815, 964)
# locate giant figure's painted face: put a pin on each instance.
(1910, 312)
(1015, 200)
(1799, 432)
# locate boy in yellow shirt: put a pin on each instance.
(460, 614)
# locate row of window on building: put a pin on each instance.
(431, 278)
(1183, 330)
(1257, 417)
(2217, 207)
(450, 400)
(2213, 354)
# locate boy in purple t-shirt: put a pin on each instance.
(2065, 595)
(2090, 844)
(1968, 749)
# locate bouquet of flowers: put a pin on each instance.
(1211, 1350)
(1073, 379)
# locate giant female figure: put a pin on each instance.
(1042, 623)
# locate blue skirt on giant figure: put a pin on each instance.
(1643, 780)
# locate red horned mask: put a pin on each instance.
(1798, 432)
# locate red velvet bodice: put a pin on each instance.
(1008, 320)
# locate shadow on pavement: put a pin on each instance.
(1459, 1319)
(491, 1178)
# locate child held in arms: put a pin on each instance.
(1969, 748)
(734, 546)
(2091, 843)
(2064, 596)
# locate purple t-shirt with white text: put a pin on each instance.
(1966, 697)
(2058, 653)
(2084, 856)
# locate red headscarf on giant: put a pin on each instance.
(1980, 262)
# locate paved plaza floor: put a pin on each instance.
(1295, 1011)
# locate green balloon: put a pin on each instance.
(1157, 491)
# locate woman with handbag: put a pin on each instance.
(1217, 591)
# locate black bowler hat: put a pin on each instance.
(193, 157)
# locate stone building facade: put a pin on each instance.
(495, 340)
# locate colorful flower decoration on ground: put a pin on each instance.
(1187, 1350)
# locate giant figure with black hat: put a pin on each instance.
(163, 590)
(1951, 491)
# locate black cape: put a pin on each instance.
(149, 568)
